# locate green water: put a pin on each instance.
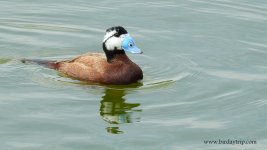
(204, 64)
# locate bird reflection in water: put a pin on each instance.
(115, 110)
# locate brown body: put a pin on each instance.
(94, 67)
(113, 67)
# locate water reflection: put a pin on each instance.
(4, 60)
(115, 110)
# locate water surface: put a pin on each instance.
(204, 66)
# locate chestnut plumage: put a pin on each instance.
(113, 67)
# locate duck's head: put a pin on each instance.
(117, 40)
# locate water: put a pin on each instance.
(204, 66)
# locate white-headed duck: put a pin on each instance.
(113, 67)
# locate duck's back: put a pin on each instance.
(87, 67)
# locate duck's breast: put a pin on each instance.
(122, 73)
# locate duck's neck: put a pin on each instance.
(115, 54)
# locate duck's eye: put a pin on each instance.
(116, 34)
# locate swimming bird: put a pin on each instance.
(111, 67)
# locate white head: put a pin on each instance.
(118, 39)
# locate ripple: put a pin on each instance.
(159, 106)
(237, 10)
(46, 28)
(175, 69)
(237, 75)
(227, 94)
(191, 123)
(259, 102)
(254, 44)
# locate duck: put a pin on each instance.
(111, 67)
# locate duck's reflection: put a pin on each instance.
(115, 110)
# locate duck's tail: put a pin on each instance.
(46, 63)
